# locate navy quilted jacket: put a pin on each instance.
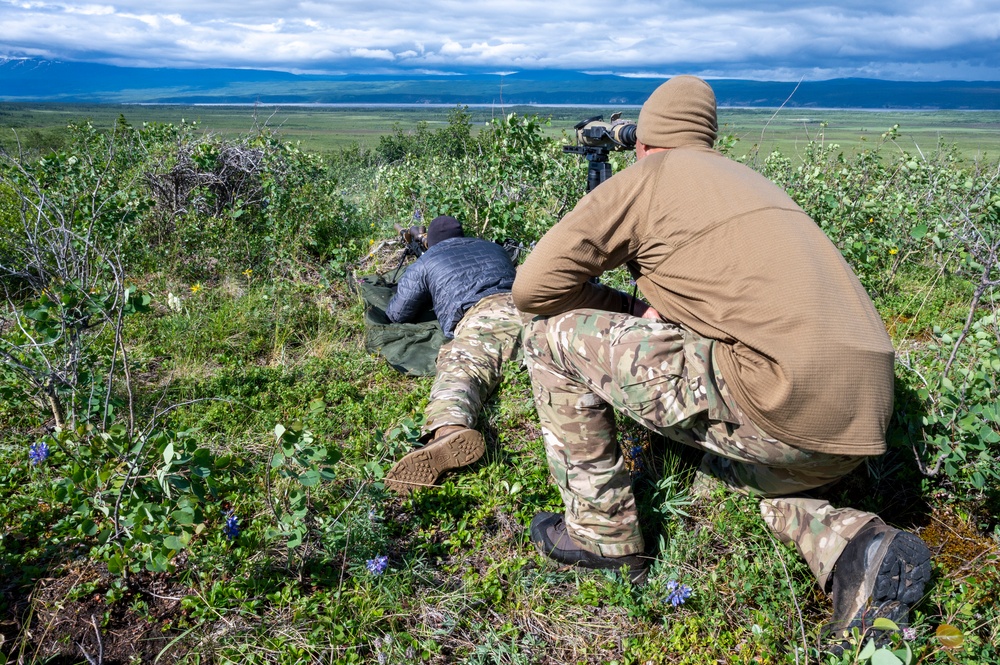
(451, 277)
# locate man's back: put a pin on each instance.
(727, 254)
(452, 276)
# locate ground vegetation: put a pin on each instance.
(194, 436)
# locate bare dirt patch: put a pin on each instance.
(72, 617)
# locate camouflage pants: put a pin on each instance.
(584, 364)
(469, 366)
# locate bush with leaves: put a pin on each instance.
(453, 141)
(67, 218)
(876, 207)
(514, 183)
(226, 205)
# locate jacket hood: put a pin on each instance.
(680, 112)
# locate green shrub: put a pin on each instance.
(163, 459)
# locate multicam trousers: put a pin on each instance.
(585, 364)
(469, 366)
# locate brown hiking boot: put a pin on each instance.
(453, 446)
(549, 535)
(881, 573)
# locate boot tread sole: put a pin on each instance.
(904, 572)
(423, 467)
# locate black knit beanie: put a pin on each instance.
(443, 228)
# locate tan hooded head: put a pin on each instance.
(679, 112)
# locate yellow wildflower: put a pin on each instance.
(894, 251)
(248, 272)
(195, 288)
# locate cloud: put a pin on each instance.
(785, 40)
(91, 10)
(375, 54)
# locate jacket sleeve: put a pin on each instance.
(412, 295)
(599, 234)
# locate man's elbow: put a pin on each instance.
(395, 313)
(525, 298)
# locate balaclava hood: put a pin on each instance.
(679, 112)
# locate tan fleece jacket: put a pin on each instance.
(726, 253)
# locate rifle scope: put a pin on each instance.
(617, 135)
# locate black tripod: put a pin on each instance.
(598, 167)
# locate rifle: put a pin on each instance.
(414, 241)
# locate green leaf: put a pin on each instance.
(183, 516)
(116, 565)
(179, 482)
(882, 623)
(905, 654)
(279, 430)
(310, 478)
(867, 652)
(173, 543)
(88, 527)
(949, 636)
(37, 314)
(294, 539)
(168, 453)
(885, 657)
(308, 454)
(277, 460)
(158, 564)
(918, 232)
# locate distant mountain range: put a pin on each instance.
(27, 80)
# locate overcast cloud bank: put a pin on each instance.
(772, 40)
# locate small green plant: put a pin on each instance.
(136, 501)
(303, 463)
(863, 647)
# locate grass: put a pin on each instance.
(326, 129)
(463, 583)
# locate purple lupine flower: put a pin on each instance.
(417, 215)
(232, 526)
(636, 454)
(678, 593)
(377, 565)
(38, 452)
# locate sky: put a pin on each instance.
(785, 40)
